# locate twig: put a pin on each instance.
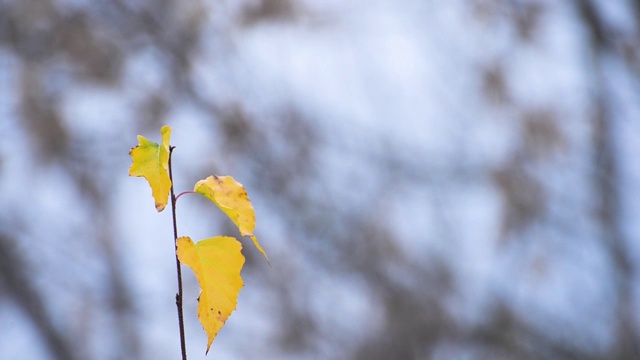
(183, 344)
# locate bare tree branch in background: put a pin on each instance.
(605, 40)
(18, 286)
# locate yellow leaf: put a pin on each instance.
(231, 197)
(216, 262)
(151, 161)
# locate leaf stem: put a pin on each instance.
(184, 192)
(183, 345)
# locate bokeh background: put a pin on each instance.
(432, 179)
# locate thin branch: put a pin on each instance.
(183, 344)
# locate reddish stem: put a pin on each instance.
(184, 192)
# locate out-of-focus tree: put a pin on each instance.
(504, 235)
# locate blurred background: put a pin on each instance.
(432, 179)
